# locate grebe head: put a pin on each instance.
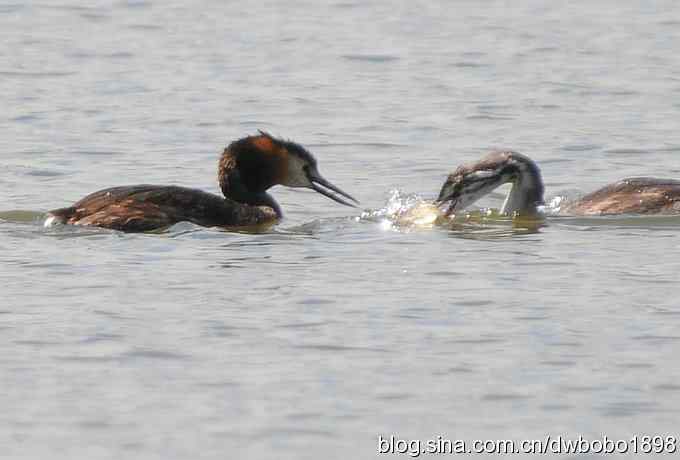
(302, 171)
(469, 183)
(256, 163)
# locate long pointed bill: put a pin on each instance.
(317, 181)
(451, 208)
(462, 193)
(447, 196)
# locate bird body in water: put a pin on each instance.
(634, 195)
(247, 169)
(468, 183)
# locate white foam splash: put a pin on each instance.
(50, 221)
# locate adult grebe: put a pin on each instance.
(468, 183)
(247, 168)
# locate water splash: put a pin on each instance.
(557, 203)
(402, 211)
(406, 212)
(397, 202)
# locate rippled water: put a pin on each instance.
(310, 340)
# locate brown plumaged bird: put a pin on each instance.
(247, 169)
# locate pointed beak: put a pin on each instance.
(446, 192)
(463, 190)
(449, 192)
(322, 186)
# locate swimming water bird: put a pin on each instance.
(637, 195)
(247, 169)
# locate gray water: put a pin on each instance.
(313, 338)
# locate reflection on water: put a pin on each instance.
(402, 212)
(21, 216)
(409, 212)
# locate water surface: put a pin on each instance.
(310, 340)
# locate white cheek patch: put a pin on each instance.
(296, 173)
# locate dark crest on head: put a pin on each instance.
(291, 147)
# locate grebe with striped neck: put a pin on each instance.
(248, 167)
(635, 195)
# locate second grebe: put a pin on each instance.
(247, 169)
(638, 195)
